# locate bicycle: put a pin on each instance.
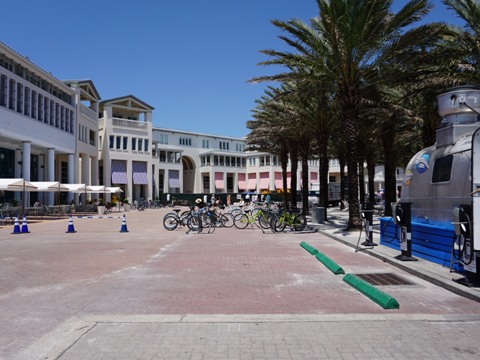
(292, 219)
(173, 219)
(246, 218)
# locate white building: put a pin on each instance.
(125, 138)
(37, 123)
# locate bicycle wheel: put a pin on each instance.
(170, 222)
(227, 220)
(236, 212)
(192, 222)
(299, 223)
(279, 224)
(240, 221)
(264, 220)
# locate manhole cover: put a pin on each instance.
(384, 279)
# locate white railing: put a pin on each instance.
(132, 124)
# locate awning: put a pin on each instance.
(119, 172)
(252, 181)
(242, 184)
(264, 183)
(113, 190)
(96, 189)
(278, 180)
(48, 186)
(219, 183)
(173, 179)
(77, 188)
(16, 184)
(139, 173)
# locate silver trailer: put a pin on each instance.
(446, 176)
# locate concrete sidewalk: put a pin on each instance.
(439, 275)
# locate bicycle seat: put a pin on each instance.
(177, 210)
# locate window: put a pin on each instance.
(112, 141)
(140, 144)
(145, 143)
(442, 169)
(119, 143)
(224, 145)
(205, 144)
(163, 139)
(185, 141)
(134, 144)
(163, 156)
(125, 143)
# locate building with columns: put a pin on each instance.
(125, 138)
(37, 123)
(201, 163)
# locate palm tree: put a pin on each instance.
(347, 44)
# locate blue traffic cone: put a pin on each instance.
(124, 224)
(25, 225)
(71, 228)
(16, 227)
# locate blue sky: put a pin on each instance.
(189, 59)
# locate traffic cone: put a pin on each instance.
(124, 224)
(16, 227)
(25, 225)
(71, 228)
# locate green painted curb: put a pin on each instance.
(330, 264)
(309, 248)
(381, 298)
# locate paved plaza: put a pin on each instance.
(235, 294)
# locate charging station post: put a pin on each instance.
(403, 218)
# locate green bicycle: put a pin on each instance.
(292, 219)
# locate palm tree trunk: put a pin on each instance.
(284, 164)
(351, 131)
(342, 160)
(293, 169)
(323, 172)
(371, 179)
(305, 183)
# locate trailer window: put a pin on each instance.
(442, 169)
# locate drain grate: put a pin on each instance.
(382, 279)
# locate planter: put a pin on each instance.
(101, 210)
(126, 207)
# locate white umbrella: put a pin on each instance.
(16, 185)
(48, 186)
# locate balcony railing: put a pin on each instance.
(132, 124)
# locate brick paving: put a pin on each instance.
(233, 294)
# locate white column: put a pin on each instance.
(26, 170)
(71, 174)
(129, 187)
(94, 171)
(149, 182)
(85, 178)
(212, 182)
(51, 173)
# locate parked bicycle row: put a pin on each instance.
(207, 217)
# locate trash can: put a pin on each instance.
(318, 215)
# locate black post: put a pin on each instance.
(404, 217)
(367, 214)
